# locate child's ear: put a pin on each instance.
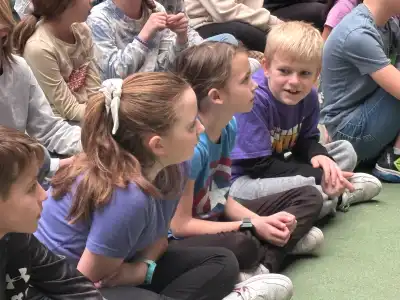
(215, 96)
(317, 74)
(266, 66)
(155, 144)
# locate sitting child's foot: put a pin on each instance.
(388, 167)
(366, 187)
(267, 287)
(328, 208)
(309, 243)
(260, 270)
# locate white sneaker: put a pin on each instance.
(366, 187)
(263, 287)
(309, 243)
(261, 269)
(328, 208)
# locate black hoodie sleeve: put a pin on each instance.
(53, 276)
(273, 166)
(307, 148)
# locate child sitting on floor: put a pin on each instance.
(360, 82)
(277, 146)
(58, 47)
(28, 270)
(136, 37)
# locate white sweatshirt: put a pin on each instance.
(203, 12)
(24, 107)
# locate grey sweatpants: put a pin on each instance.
(244, 188)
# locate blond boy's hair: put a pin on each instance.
(296, 40)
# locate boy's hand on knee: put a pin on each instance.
(288, 219)
(340, 186)
(332, 174)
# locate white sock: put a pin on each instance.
(396, 150)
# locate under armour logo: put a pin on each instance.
(20, 296)
(10, 281)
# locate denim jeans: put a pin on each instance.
(223, 38)
(371, 126)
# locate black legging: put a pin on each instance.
(252, 37)
(311, 11)
(304, 203)
(193, 273)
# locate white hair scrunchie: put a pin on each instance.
(112, 90)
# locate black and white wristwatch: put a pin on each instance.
(247, 225)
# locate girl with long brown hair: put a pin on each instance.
(58, 47)
(109, 212)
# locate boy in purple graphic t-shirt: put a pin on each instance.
(277, 146)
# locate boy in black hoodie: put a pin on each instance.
(28, 270)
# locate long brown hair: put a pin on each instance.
(48, 9)
(206, 66)
(7, 19)
(148, 105)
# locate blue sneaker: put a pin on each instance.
(388, 167)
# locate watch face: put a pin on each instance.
(247, 225)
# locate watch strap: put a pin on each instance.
(151, 266)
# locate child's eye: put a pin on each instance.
(284, 71)
(32, 188)
(192, 127)
(306, 73)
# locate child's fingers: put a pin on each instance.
(175, 18)
(348, 185)
(327, 174)
(347, 175)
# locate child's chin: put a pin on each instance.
(291, 101)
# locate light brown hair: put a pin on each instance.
(207, 66)
(47, 9)
(296, 40)
(17, 152)
(6, 19)
(148, 105)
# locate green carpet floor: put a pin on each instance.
(361, 255)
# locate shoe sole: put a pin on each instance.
(262, 276)
(287, 285)
(386, 174)
(318, 235)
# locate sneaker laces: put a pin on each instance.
(246, 293)
(350, 195)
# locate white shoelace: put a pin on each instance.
(247, 293)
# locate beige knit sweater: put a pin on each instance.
(203, 12)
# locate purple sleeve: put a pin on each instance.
(339, 11)
(117, 227)
(309, 126)
(253, 138)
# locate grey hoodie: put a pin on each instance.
(23, 106)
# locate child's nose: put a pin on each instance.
(42, 194)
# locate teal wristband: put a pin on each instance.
(151, 266)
